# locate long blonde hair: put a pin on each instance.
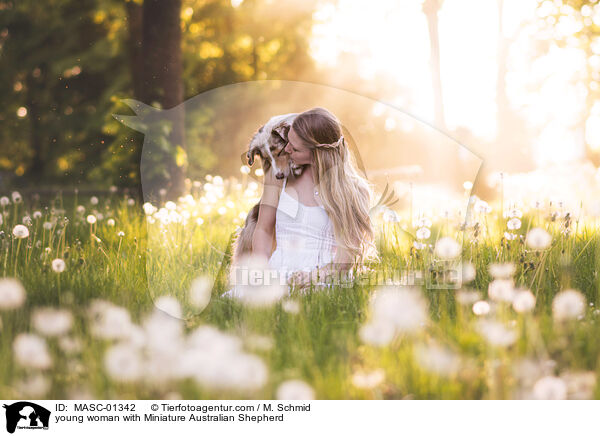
(345, 194)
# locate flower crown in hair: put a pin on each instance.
(335, 144)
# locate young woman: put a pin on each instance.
(321, 224)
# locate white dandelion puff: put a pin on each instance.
(377, 333)
(34, 386)
(468, 272)
(568, 304)
(12, 293)
(502, 270)
(481, 308)
(513, 224)
(20, 231)
(295, 390)
(447, 248)
(200, 292)
(291, 306)
(123, 363)
(467, 297)
(368, 380)
(403, 308)
(437, 359)
(524, 301)
(550, 388)
(30, 350)
(538, 239)
(501, 290)
(91, 219)
(496, 333)
(423, 233)
(109, 321)
(58, 265)
(52, 322)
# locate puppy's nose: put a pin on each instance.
(279, 176)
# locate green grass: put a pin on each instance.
(321, 344)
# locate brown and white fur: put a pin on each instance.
(268, 143)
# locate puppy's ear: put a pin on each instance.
(282, 129)
(251, 154)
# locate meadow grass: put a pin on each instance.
(445, 357)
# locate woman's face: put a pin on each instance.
(300, 154)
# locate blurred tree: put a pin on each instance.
(53, 86)
(162, 75)
(576, 23)
(67, 64)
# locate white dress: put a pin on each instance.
(304, 235)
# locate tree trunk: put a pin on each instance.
(36, 142)
(431, 8)
(163, 70)
(135, 22)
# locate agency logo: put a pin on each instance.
(26, 415)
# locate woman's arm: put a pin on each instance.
(262, 240)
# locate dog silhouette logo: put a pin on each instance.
(26, 415)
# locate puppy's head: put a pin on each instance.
(269, 143)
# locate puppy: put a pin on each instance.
(268, 143)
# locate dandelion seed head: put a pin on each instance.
(437, 359)
(481, 308)
(291, 306)
(568, 304)
(467, 297)
(12, 293)
(123, 363)
(468, 272)
(20, 231)
(200, 292)
(403, 308)
(368, 379)
(52, 322)
(524, 301)
(447, 248)
(502, 270)
(423, 233)
(496, 333)
(91, 219)
(538, 239)
(30, 350)
(295, 390)
(501, 290)
(513, 224)
(550, 388)
(110, 222)
(58, 265)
